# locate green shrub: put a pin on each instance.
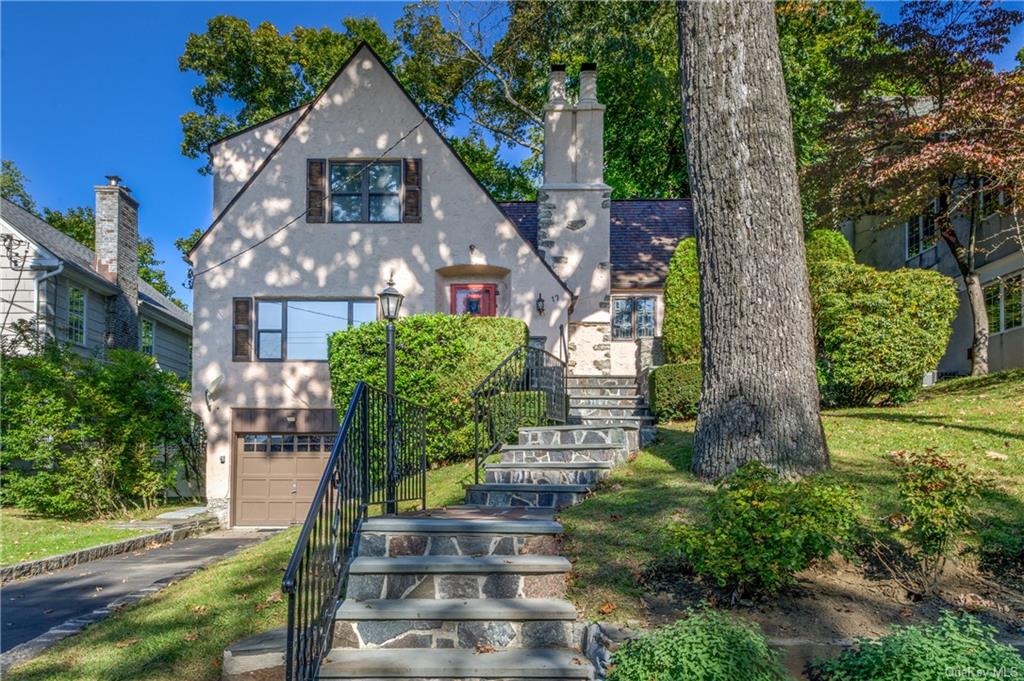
(675, 390)
(706, 645)
(439, 360)
(80, 437)
(878, 333)
(760, 530)
(937, 497)
(680, 329)
(955, 647)
(827, 244)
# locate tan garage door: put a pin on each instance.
(276, 476)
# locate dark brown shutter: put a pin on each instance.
(241, 330)
(413, 189)
(316, 190)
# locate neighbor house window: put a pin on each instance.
(76, 316)
(362, 192)
(1004, 301)
(297, 329)
(632, 317)
(991, 199)
(921, 234)
(148, 334)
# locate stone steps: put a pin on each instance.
(597, 453)
(620, 435)
(590, 402)
(609, 413)
(600, 382)
(549, 472)
(452, 535)
(603, 391)
(505, 665)
(456, 623)
(532, 495)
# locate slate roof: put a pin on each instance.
(81, 257)
(644, 234)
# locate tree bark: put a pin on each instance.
(964, 258)
(760, 397)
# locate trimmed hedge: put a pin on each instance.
(955, 647)
(675, 390)
(681, 326)
(877, 332)
(827, 244)
(439, 360)
(706, 645)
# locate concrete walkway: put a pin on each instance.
(33, 606)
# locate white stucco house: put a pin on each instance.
(315, 209)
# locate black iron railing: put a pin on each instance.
(526, 389)
(358, 476)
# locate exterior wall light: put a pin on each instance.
(540, 304)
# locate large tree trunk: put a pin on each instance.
(760, 396)
(963, 255)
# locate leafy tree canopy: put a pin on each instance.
(505, 181)
(486, 65)
(12, 186)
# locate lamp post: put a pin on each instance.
(390, 303)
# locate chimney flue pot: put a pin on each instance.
(588, 82)
(556, 84)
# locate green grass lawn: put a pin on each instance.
(24, 536)
(614, 534)
(180, 633)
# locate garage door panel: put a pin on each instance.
(276, 476)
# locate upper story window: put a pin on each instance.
(148, 337)
(991, 199)
(353, 190)
(1004, 301)
(632, 317)
(297, 329)
(363, 192)
(920, 232)
(76, 316)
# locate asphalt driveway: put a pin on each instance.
(33, 606)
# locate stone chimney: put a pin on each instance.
(117, 259)
(574, 215)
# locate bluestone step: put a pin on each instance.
(548, 472)
(428, 525)
(504, 665)
(539, 495)
(460, 610)
(450, 565)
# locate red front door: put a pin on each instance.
(474, 299)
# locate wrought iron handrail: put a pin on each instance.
(357, 476)
(526, 388)
(563, 343)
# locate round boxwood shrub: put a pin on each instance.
(681, 326)
(705, 645)
(827, 244)
(439, 360)
(675, 390)
(955, 647)
(877, 332)
(760, 531)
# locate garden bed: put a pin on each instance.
(613, 536)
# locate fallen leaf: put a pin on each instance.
(996, 456)
(124, 643)
(607, 608)
(191, 636)
(274, 597)
(260, 606)
(481, 648)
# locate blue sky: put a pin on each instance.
(93, 89)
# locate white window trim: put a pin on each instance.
(999, 281)
(85, 315)
(919, 218)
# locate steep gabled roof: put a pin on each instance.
(644, 234)
(82, 258)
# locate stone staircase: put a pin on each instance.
(477, 592)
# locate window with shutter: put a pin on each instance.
(241, 342)
(411, 211)
(316, 190)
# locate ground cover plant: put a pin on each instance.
(181, 632)
(703, 645)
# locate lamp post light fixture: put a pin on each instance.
(540, 304)
(390, 304)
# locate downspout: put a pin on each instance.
(40, 280)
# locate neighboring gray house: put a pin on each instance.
(1000, 264)
(90, 300)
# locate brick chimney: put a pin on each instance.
(117, 259)
(573, 211)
